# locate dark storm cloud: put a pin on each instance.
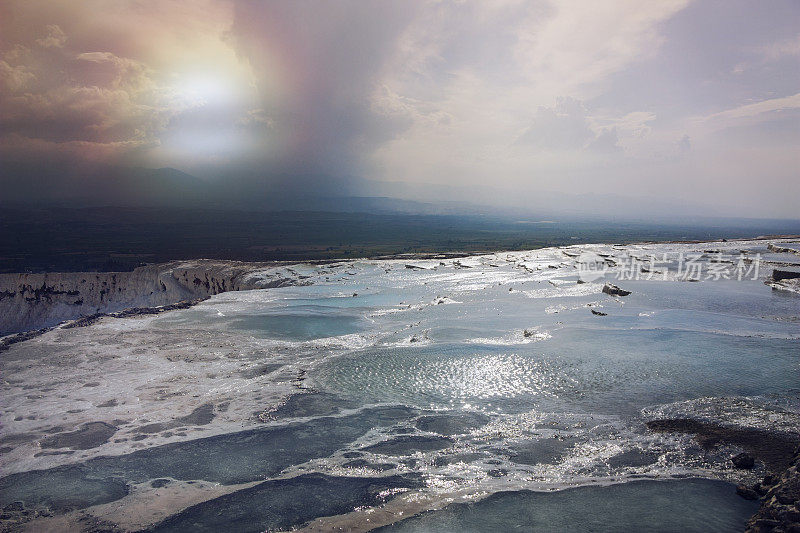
(328, 58)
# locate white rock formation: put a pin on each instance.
(32, 301)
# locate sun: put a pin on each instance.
(208, 89)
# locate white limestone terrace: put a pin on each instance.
(33, 301)
(121, 384)
(42, 300)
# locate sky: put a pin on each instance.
(690, 102)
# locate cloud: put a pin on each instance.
(684, 144)
(405, 110)
(562, 127)
(86, 98)
(635, 123)
(322, 62)
(107, 75)
(104, 69)
(494, 70)
(333, 84)
(759, 108)
(542, 94)
(606, 141)
(54, 38)
(255, 117)
(575, 45)
(769, 54)
(21, 148)
(94, 97)
(567, 126)
(14, 78)
(780, 49)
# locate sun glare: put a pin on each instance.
(207, 89)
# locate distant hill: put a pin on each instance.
(41, 184)
(37, 185)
